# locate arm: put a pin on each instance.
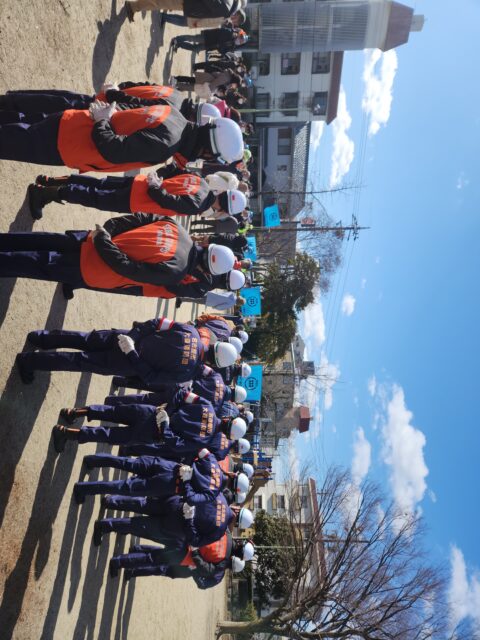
(144, 146)
(182, 204)
(193, 498)
(147, 272)
(197, 539)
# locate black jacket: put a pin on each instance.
(222, 38)
(152, 146)
(210, 8)
(124, 100)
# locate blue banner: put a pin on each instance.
(251, 251)
(253, 384)
(253, 302)
(271, 216)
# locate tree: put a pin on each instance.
(287, 289)
(272, 540)
(358, 570)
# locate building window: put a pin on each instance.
(280, 502)
(288, 379)
(257, 502)
(282, 167)
(289, 101)
(284, 142)
(290, 63)
(263, 62)
(287, 366)
(262, 101)
(319, 103)
(321, 62)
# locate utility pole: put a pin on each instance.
(353, 228)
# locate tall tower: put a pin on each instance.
(332, 25)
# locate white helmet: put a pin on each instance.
(243, 446)
(245, 518)
(225, 354)
(226, 139)
(248, 551)
(248, 415)
(220, 259)
(237, 564)
(240, 497)
(237, 343)
(238, 428)
(237, 201)
(242, 484)
(236, 280)
(243, 335)
(246, 370)
(240, 393)
(206, 111)
(247, 469)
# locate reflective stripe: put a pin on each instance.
(190, 398)
(164, 324)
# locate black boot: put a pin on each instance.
(39, 196)
(70, 415)
(97, 533)
(61, 434)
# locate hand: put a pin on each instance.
(185, 472)
(202, 453)
(154, 180)
(188, 511)
(126, 344)
(101, 110)
(162, 417)
(99, 229)
(108, 86)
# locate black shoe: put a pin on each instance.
(88, 462)
(26, 375)
(130, 12)
(34, 339)
(35, 201)
(174, 45)
(67, 291)
(97, 533)
(104, 502)
(178, 303)
(113, 569)
(78, 494)
(59, 437)
(128, 575)
(69, 415)
(48, 181)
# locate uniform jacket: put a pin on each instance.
(131, 139)
(210, 385)
(143, 94)
(183, 194)
(217, 325)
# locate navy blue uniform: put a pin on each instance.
(209, 384)
(220, 328)
(157, 477)
(209, 523)
(165, 352)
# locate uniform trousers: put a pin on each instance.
(111, 193)
(45, 101)
(42, 256)
(146, 555)
(156, 399)
(166, 529)
(33, 139)
(147, 506)
(101, 353)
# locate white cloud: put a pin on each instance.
(403, 452)
(293, 471)
(316, 134)
(330, 373)
(432, 495)
(343, 146)
(314, 324)
(378, 76)
(348, 304)
(462, 181)
(372, 385)
(363, 283)
(362, 451)
(463, 593)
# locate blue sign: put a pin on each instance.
(271, 216)
(253, 302)
(253, 384)
(251, 251)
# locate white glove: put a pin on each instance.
(162, 417)
(99, 229)
(102, 110)
(107, 86)
(154, 180)
(185, 472)
(188, 511)
(126, 344)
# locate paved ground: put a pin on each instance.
(54, 582)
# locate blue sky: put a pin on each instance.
(400, 327)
